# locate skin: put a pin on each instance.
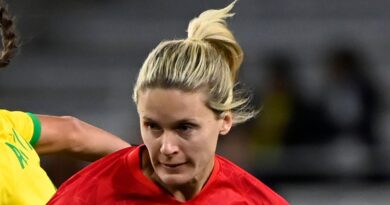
(180, 133)
(69, 135)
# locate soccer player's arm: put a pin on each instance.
(69, 135)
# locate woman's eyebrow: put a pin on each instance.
(186, 121)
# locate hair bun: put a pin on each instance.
(210, 26)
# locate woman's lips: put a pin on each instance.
(171, 165)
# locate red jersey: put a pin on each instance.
(118, 179)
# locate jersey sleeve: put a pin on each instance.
(26, 124)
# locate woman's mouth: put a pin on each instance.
(171, 165)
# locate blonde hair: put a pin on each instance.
(208, 59)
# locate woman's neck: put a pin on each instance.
(182, 192)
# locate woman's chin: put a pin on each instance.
(174, 179)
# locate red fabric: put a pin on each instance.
(118, 179)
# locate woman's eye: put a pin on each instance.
(152, 126)
(184, 127)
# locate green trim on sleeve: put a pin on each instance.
(37, 129)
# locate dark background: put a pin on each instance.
(318, 71)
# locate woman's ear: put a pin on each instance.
(227, 122)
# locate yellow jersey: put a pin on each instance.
(22, 180)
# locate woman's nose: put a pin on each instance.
(169, 144)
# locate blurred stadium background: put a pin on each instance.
(319, 71)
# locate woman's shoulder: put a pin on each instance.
(246, 184)
(89, 181)
(107, 163)
(232, 171)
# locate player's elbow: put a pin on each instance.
(73, 134)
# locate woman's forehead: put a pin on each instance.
(172, 104)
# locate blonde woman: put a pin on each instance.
(185, 99)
